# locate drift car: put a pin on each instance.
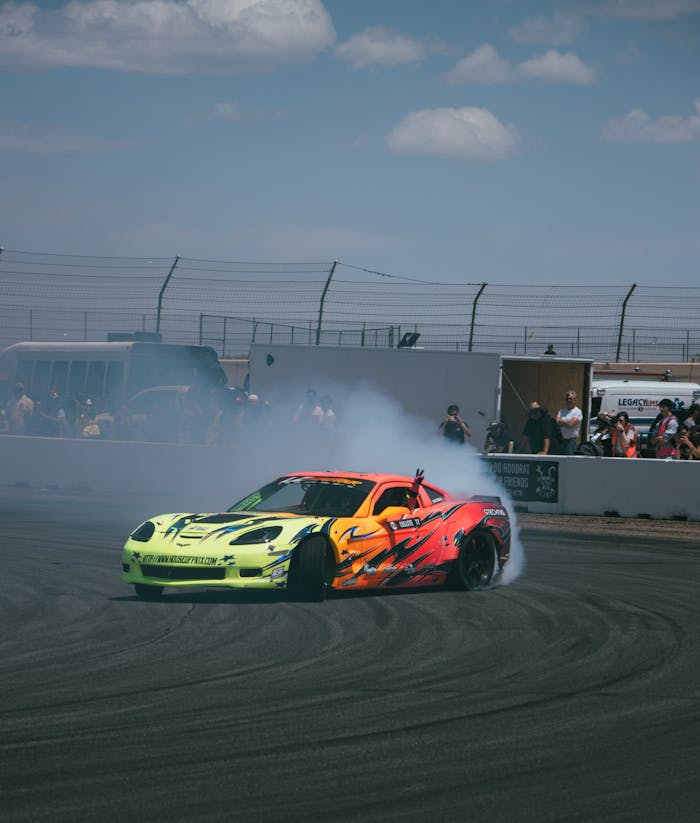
(309, 532)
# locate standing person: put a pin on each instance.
(498, 438)
(19, 409)
(453, 428)
(327, 414)
(664, 436)
(52, 415)
(689, 444)
(693, 419)
(308, 413)
(538, 432)
(569, 422)
(624, 437)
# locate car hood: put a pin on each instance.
(213, 531)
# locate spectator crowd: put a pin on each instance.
(203, 415)
(224, 416)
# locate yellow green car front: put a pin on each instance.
(231, 549)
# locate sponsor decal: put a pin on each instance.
(250, 501)
(646, 402)
(185, 560)
(336, 481)
(528, 479)
(546, 484)
(405, 523)
(495, 513)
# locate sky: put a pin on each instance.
(504, 141)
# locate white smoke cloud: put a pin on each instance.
(373, 434)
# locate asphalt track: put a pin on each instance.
(571, 695)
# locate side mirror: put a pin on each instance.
(394, 513)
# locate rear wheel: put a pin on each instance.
(308, 571)
(148, 592)
(476, 562)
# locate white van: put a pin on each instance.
(640, 399)
(105, 372)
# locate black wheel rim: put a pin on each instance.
(478, 563)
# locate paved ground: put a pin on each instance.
(570, 695)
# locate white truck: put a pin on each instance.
(486, 386)
(640, 399)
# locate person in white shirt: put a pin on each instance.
(569, 422)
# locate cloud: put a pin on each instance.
(468, 133)
(164, 36)
(638, 127)
(226, 110)
(555, 67)
(28, 139)
(484, 66)
(648, 9)
(553, 31)
(380, 46)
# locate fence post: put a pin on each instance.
(476, 300)
(323, 298)
(201, 316)
(85, 314)
(622, 322)
(223, 342)
(162, 291)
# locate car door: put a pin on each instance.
(416, 538)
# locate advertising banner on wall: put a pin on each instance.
(528, 480)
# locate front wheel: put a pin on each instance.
(476, 562)
(308, 576)
(148, 592)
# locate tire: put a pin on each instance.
(475, 564)
(308, 575)
(148, 592)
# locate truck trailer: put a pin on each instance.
(486, 386)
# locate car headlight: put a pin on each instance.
(144, 532)
(264, 535)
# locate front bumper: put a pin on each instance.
(251, 567)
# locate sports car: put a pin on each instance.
(310, 532)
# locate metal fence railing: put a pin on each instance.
(230, 305)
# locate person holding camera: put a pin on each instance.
(623, 437)
(453, 428)
(688, 442)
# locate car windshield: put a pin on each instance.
(322, 496)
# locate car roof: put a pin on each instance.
(374, 477)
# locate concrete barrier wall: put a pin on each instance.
(660, 489)
(215, 477)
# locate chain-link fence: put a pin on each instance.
(229, 305)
